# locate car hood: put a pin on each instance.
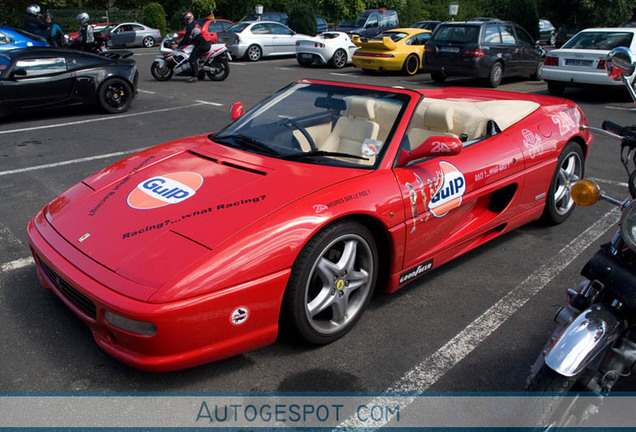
(152, 216)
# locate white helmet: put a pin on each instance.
(82, 18)
(33, 9)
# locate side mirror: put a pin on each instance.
(619, 63)
(236, 110)
(435, 146)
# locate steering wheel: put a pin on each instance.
(294, 124)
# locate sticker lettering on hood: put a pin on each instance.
(450, 193)
(164, 189)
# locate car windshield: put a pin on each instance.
(456, 33)
(395, 36)
(237, 28)
(600, 40)
(347, 23)
(319, 124)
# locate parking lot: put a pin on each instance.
(475, 324)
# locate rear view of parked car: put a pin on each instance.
(332, 48)
(490, 49)
(582, 59)
(394, 50)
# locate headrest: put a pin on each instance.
(361, 107)
(439, 117)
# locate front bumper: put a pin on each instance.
(189, 332)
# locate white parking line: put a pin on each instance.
(209, 103)
(436, 365)
(72, 161)
(111, 117)
(17, 264)
(146, 91)
(609, 182)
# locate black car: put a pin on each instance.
(486, 48)
(39, 78)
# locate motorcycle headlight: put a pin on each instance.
(628, 225)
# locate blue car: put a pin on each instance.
(11, 38)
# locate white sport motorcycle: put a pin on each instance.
(174, 61)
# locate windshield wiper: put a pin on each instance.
(320, 153)
(248, 142)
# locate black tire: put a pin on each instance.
(556, 88)
(495, 75)
(336, 272)
(536, 75)
(570, 168)
(115, 95)
(253, 53)
(148, 42)
(411, 65)
(303, 62)
(160, 74)
(221, 69)
(547, 408)
(438, 77)
(339, 59)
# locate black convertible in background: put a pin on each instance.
(41, 78)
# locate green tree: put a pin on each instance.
(155, 16)
(301, 19)
(202, 8)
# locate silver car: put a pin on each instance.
(253, 40)
(133, 34)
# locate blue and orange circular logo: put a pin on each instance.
(165, 189)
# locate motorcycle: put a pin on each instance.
(172, 60)
(594, 344)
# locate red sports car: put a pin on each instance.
(293, 215)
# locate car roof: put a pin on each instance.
(623, 29)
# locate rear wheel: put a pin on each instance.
(496, 75)
(148, 42)
(253, 53)
(115, 95)
(556, 88)
(161, 73)
(559, 203)
(438, 77)
(339, 59)
(411, 65)
(221, 69)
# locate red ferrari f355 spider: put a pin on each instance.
(293, 215)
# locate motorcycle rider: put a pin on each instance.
(54, 33)
(33, 22)
(86, 39)
(193, 35)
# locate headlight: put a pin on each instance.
(585, 193)
(628, 225)
(132, 326)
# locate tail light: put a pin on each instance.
(376, 55)
(551, 61)
(429, 49)
(601, 64)
(474, 53)
(319, 45)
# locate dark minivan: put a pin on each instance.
(370, 23)
(488, 48)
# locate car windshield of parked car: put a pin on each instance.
(456, 33)
(395, 36)
(319, 124)
(347, 23)
(600, 40)
(237, 28)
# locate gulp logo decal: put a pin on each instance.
(164, 189)
(449, 195)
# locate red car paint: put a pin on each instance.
(207, 262)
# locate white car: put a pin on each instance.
(253, 40)
(332, 48)
(582, 59)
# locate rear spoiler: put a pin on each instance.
(116, 54)
(385, 44)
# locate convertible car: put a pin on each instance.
(41, 78)
(295, 213)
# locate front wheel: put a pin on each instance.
(331, 283)
(559, 203)
(161, 73)
(148, 42)
(411, 65)
(220, 69)
(115, 95)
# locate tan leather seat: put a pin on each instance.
(437, 120)
(350, 131)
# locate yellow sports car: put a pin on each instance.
(394, 50)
